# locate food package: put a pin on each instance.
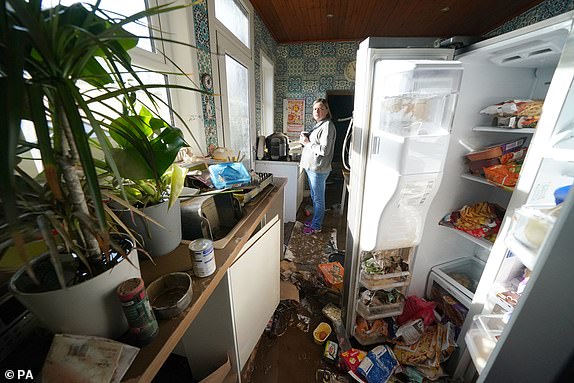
(497, 150)
(504, 174)
(379, 365)
(332, 273)
(515, 108)
(477, 167)
(411, 331)
(371, 330)
(480, 220)
(331, 351)
(351, 359)
(426, 352)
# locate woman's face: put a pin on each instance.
(319, 112)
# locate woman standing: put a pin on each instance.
(316, 157)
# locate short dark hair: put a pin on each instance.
(325, 104)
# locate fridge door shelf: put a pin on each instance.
(530, 226)
(381, 311)
(479, 347)
(386, 281)
(496, 300)
(482, 337)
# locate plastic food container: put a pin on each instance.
(530, 225)
(321, 333)
(229, 174)
(496, 150)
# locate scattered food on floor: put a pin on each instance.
(332, 273)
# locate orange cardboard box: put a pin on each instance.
(332, 273)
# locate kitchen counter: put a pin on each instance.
(152, 356)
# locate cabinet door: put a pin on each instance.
(254, 288)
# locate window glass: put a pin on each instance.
(238, 106)
(267, 94)
(235, 17)
(117, 9)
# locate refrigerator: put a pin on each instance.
(416, 116)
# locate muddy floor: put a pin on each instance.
(287, 352)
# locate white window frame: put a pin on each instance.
(225, 42)
(267, 83)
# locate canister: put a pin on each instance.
(202, 257)
(137, 309)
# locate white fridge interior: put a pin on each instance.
(519, 65)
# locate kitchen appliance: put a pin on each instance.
(277, 145)
(260, 147)
(535, 62)
(210, 216)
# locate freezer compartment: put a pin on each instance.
(464, 274)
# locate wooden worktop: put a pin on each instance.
(152, 356)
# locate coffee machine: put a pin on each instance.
(277, 145)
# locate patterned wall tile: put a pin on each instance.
(542, 11)
(309, 70)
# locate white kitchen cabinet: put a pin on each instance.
(235, 316)
(254, 288)
(293, 189)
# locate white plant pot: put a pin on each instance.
(158, 240)
(89, 308)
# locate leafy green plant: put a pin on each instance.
(44, 57)
(146, 149)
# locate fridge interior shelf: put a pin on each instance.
(483, 180)
(496, 129)
(485, 243)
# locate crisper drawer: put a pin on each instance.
(463, 274)
(451, 303)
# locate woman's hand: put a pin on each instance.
(304, 138)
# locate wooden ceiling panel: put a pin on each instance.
(291, 21)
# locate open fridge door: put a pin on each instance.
(404, 105)
(521, 327)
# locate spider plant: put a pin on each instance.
(44, 57)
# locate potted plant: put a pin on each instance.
(146, 147)
(44, 54)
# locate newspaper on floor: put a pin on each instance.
(87, 359)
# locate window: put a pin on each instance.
(267, 96)
(115, 8)
(235, 17)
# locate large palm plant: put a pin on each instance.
(44, 55)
